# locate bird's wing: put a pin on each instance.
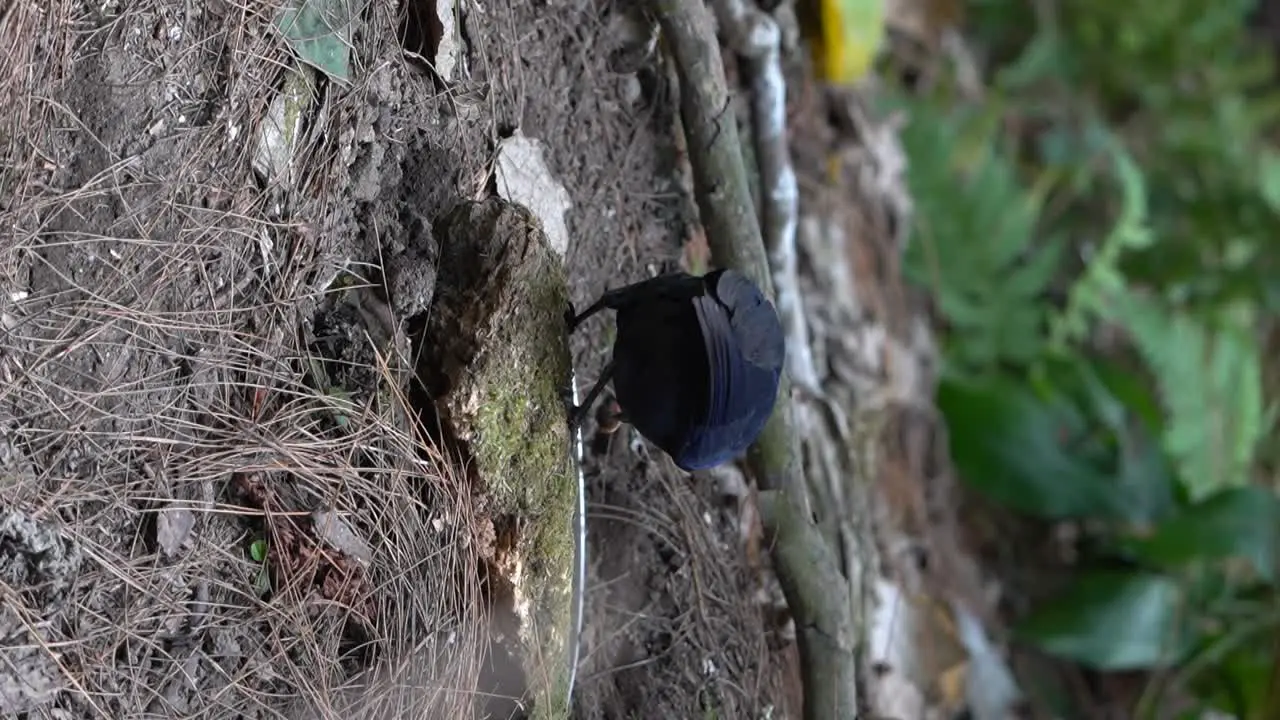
(741, 388)
(753, 319)
(736, 410)
(723, 360)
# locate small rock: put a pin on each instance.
(729, 481)
(173, 527)
(525, 179)
(335, 531)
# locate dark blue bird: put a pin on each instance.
(695, 365)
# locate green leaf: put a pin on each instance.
(1210, 378)
(258, 550)
(1240, 684)
(1269, 171)
(320, 32)
(1142, 475)
(1010, 445)
(1111, 621)
(1130, 389)
(976, 221)
(1241, 523)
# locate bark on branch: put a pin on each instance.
(804, 560)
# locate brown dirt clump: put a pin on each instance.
(169, 322)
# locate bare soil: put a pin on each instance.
(183, 371)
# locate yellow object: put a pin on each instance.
(953, 696)
(846, 36)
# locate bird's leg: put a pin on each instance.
(578, 412)
(574, 320)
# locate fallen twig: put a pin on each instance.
(805, 562)
(755, 36)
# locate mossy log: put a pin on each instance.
(495, 358)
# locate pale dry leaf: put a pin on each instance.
(334, 531)
(523, 178)
(173, 527)
(894, 696)
(913, 635)
(991, 691)
(280, 132)
(444, 37)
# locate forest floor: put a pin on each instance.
(185, 383)
(163, 306)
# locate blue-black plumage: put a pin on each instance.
(696, 363)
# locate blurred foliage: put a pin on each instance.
(1194, 96)
(967, 236)
(845, 36)
(1098, 239)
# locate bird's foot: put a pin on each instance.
(609, 417)
(576, 413)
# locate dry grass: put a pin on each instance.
(161, 351)
(678, 626)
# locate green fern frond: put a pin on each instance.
(1102, 279)
(1207, 367)
(1209, 374)
(975, 240)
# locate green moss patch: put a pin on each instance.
(495, 359)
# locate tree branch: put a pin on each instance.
(725, 206)
(805, 562)
(756, 36)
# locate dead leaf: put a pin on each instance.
(913, 634)
(280, 132)
(894, 696)
(523, 178)
(332, 529)
(173, 527)
(991, 691)
(446, 46)
(923, 20)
